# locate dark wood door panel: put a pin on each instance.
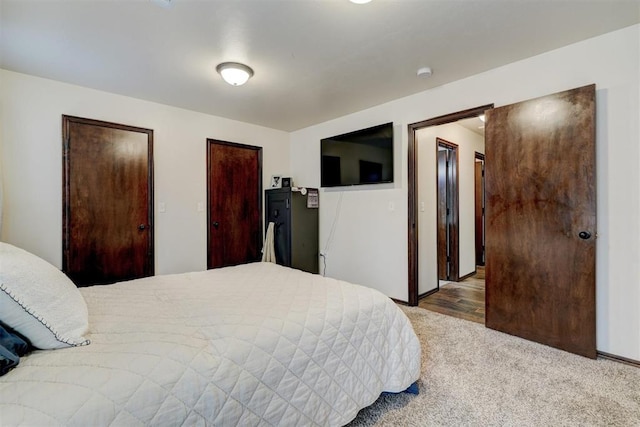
(234, 192)
(478, 208)
(108, 199)
(443, 222)
(448, 217)
(540, 194)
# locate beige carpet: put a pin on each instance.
(473, 376)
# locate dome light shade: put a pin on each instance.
(424, 72)
(234, 73)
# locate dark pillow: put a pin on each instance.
(12, 346)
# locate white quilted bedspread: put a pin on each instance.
(258, 344)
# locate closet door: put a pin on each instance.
(234, 199)
(107, 201)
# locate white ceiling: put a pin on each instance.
(474, 124)
(313, 60)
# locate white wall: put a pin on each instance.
(369, 219)
(370, 244)
(31, 160)
(370, 240)
(468, 144)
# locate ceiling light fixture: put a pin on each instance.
(359, 1)
(166, 4)
(234, 73)
(424, 72)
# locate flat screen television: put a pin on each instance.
(355, 158)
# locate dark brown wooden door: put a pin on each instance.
(107, 201)
(479, 207)
(541, 220)
(234, 198)
(443, 223)
(447, 211)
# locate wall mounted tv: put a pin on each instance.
(361, 157)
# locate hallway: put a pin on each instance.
(464, 300)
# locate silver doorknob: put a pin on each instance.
(142, 227)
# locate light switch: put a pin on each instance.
(162, 207)
(392, 206)
(200, 207)
(421, 206)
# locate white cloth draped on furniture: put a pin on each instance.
(268, 249)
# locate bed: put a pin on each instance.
(257, 344)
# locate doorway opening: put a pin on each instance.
(419, 207)
(541, 218)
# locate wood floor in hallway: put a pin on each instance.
(464, 299)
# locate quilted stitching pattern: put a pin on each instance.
(250, 345)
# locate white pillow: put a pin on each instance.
(39, 301)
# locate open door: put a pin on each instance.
(447, 208)
(479, 207)
(541, 220)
